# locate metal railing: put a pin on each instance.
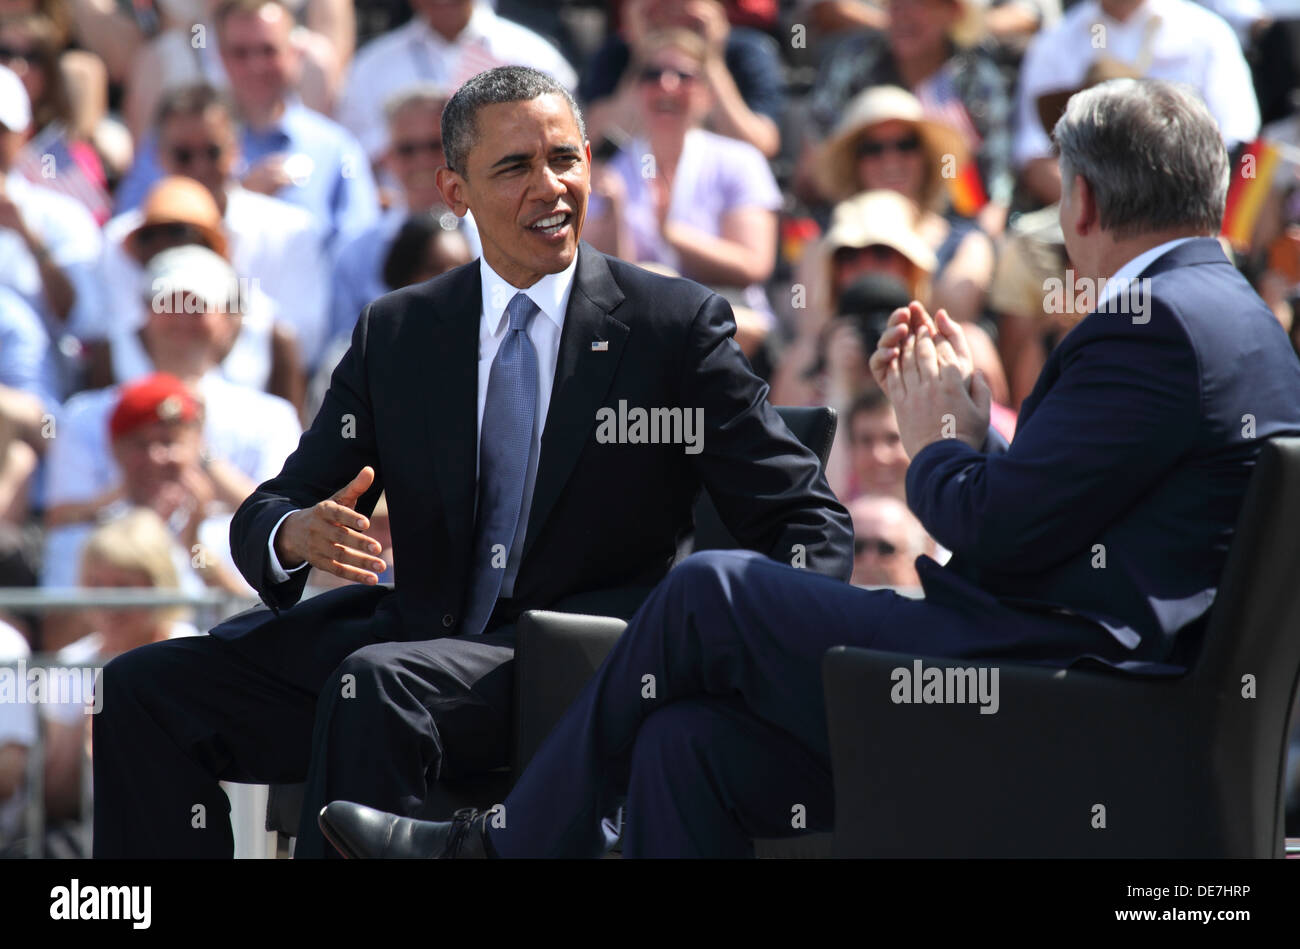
(210, 607)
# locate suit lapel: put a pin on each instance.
(449, 396)
(582, 377)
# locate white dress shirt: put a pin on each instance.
(1119, 281)
(551, 294)
(414, 53)
(1191, 45)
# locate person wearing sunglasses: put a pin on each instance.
(887, 539)
(932, 49)
(412, 159)
(700, 203)
(885, 141)
(276, 244)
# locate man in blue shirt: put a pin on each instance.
(289, 151)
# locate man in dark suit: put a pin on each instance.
(1099, 535)
(541, 421)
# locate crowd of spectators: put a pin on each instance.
(198, 198)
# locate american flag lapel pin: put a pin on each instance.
(600, 346)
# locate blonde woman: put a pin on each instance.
(134, 551)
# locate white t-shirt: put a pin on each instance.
(1191, 45)
(414, 53)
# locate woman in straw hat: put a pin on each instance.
(930, 49)
(884, 141)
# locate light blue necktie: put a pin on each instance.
(505, 442)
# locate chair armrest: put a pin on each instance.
(946, 779)
(556, 654)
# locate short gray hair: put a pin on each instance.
(494, 87)
(1151, 153)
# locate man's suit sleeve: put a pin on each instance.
(768, 488)
(1124, 409)
(340, 442)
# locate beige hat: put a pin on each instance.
(879, 217)
(180, 200)
(837, 166)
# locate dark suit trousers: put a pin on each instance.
(357, 718)
(708, 714)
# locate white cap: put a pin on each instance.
(192, 269)
(15, 107)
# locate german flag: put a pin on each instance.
(1252, 180)
(966, 191)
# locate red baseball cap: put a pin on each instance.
(160, 397)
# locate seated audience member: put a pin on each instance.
(18, 730)
(178, 212)
(247, 434)
(1158, 39)
(73, 147)
(273, 245)
(422, 249)
(877, 460)
(412, 156)
(446, 42)
(887, 539)
(286, 149)
(884, 141)
(872, 233)
(742, 70)
(49, 243)
(172, 60)
(133, 551)
(188, 329)
(703, 204)
(930, 49)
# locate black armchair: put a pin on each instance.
(1082, 764)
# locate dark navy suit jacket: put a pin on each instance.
(1133, 451)
(606, 518)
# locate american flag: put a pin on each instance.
(47, 161)
(941, 103)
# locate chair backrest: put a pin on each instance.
(1249, 667)
(814, 426)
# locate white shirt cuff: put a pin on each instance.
(278, 573)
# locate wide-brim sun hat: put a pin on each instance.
(837, 166)
(879, 217)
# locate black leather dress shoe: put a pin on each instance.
(363, 833)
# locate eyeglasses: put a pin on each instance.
(411, 149)
(874, 148)
(882, 547)
(184, 156)
(653, 74)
